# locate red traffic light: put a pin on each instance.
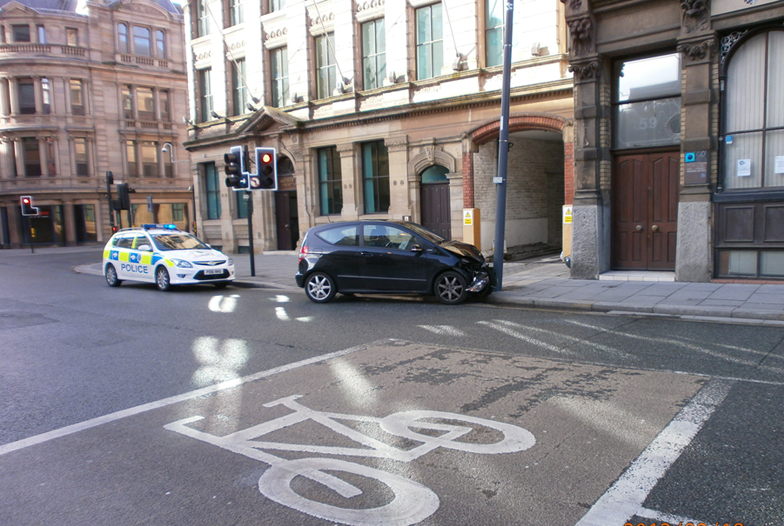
(25, 200)
(266, 158)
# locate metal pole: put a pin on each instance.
(503, 150)
(29, 225)
(250, 233)
(109, 182)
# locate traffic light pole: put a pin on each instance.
(109, 181)
(250, 233)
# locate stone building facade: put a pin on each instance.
(88, 88)
(379, 108)
(679, 137)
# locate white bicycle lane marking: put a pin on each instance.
(412, 501)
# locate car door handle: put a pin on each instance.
(369, 254)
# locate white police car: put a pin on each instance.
(163, 255)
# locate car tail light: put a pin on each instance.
(303, 252)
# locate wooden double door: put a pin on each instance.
(645, 211)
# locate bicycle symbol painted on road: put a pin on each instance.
(412, 501)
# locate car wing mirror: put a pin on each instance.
(416, 248)
(144, 248)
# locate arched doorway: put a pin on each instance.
(286, 219)
(434, 196)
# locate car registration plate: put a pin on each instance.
(213, 271)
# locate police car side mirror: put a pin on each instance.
(145, 248)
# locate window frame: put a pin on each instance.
(123, 42)
(149, 164)
(330, 179)
(431, 46)
(279, 89)
(21, 33)
(212, 190)
(81, 165)
(72, 36)
(373, 57)
(142, 44)
(205, 94)
(202, 19)
(495, 31)
(239, 88)
(31, 157)
(375, 184)
(26, 96)
(326, 73)
(76, 91)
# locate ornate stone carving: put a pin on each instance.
(728, 42)
(696, 51)
(589, 71)
(582, 36)
(695, 16)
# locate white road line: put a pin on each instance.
(443, 330)
(625, 498)
(499, 326)
(111, 417)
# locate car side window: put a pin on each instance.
(139, 240)
(386, 236)
(125, 241)
(346, 236)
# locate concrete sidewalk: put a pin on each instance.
(544, 282)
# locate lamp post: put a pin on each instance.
(168, 147)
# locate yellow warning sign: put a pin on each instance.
(567, 216)
(468, 218)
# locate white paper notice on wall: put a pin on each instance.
(779, 164)
(744, 168)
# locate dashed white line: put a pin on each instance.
(447, 330)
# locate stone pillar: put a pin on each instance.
(400, 204)
(69, 223)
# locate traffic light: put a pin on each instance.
(235, 172)
(124, 196)
(267, 170)
(27, 206)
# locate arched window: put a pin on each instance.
(753, 118)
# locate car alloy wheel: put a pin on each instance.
(320, 287)
(162, 279)
(451, 288)
(111, 276)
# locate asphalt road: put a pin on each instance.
(438, 415)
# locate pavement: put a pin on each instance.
(543, 282)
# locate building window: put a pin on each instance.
(141, 41)
(32, 157)
(647, 102)
(145, 104)
(212, 191)
(51, 161)
(374, 59)
(80, 157)
(178, 211)
(239, 90)
(276, 5)
(160, 43)
(279, 72)
(127, 102)
(205, 94)
(330, 185)
(122, 38)
(375, 177)
(326, 75)
(77, 97)
(41, 34)
(242, 204)
(494, 32)
(46, 96)
(21, 33)
(754, 114)
(26, 89)
(429, 41)
(163, 100)
(149, 151)
(203, 19)
(236, 15)
(130, 152)
(71, 36)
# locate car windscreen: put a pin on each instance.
(178, 241)
(425, 233)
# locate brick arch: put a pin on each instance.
(489, 130)
(518, 122)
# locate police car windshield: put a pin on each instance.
(177, 242)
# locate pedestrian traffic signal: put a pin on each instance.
(266, 177)
(27, 206)
(124, 196)
(236, 177)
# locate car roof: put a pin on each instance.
(326, 226)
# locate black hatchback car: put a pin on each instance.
(389, 257)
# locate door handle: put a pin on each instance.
(655, 228)
(365, 253)
(638, 227)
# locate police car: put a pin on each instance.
(164, 255)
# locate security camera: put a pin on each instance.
(164, 150)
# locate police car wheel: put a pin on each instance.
(162, 279)
(111, 276)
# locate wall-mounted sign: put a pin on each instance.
(720, 7)
(695, 167)
(744, 168)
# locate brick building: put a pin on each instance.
(379, 109)
(87, 88)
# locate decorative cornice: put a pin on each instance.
(582, 31)
(588, 71)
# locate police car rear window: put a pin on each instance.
(177, 242)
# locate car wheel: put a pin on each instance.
(111, 276)
(162, 279)
(451, 288)
(320, 287)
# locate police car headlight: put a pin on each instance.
(231, 262)
(181, 263)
